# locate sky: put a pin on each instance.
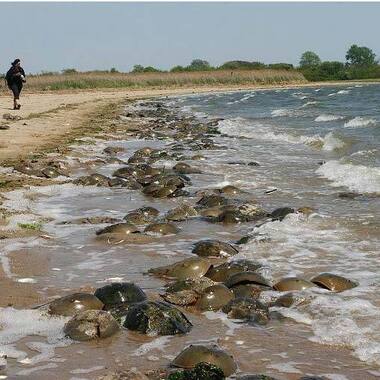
(87, 36)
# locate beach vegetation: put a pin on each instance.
(34, 226)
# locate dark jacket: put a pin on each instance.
(13, 76)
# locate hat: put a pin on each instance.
(15, 62)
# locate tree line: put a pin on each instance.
(360, 63)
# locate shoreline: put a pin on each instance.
(50, 121)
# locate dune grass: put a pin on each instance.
(95, 80)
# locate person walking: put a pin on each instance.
(15, 78)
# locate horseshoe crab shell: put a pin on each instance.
(120, 229)
(205, 248)
(194, 267)
(91, 324)
(194, 354)
(247, 277)
(147, 211)
(280, 213)
(292, 283)
(214, 298)
(248, 309)
(333, 282)
(181, 298)
(74, 303)
(222, 272)
(230, 190)
(162, 228)
(137, 218)
(156, 318)
(117, 293)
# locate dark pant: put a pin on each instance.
(16, 89)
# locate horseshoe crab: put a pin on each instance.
(147, 211)
(206, 248)
(74, 303)
(248, 309)
(92, 180)
(91, 324)
(252, 211)
(290, 299)
(214, 298)
(50, 172)
(162, 228)
(292, 283)
(230, 190)
(222, 272)
(202, 371)
(117, 293)
(156, 318)
(333, 282)
(164, 191)
(232, 217)
(127, 172)
(112, 150)
(181, 213)
(212, 201)
(137, 218)
(186, 292)
(183, 168)
(194, 267)
(194, 354)
(120, 229)
(196, 284)
(246, 277)
(280, 213)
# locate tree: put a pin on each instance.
(178, 69)
(309, 59)
(113, 70)
(360, 56)
(199, 65)
(138, 69)
(69, 71)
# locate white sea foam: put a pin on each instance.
(242, 128)
(17, 324)
(281, 112)
(326, 117)
(360, 121)
(356, 177)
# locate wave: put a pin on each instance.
(281, 112)
(240, 127)
(311, 103)
(341, 92)
(360, 121)
(358, 178)
(326, 117)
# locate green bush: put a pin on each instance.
(242, 65)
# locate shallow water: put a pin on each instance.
(288, 132)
